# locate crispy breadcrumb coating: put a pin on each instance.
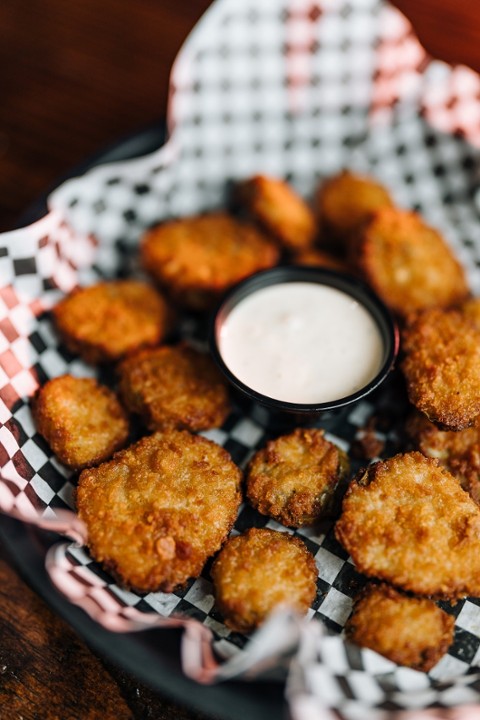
(441, 365)
(458, 451)
(106, 321)
(198, 258)
(159, 509)
(471, 310)
(345, 202)
(320, 258)
(258, 571)
(280, 211)
(407, 521)
(174, 387)
(409, 631)
(293, 479)
(82, 421)
(408, 263)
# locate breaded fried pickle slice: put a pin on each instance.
(82, 421)
(441, 365)
(407, 521)
(197, 258)
(319, 258)
(159, 509)
(280, 210)
(409, 631)
(471, 310)
(256, 572)
(458, 451)
(346, 201)
(408, 263)
(106, 321)
(174, 387)
(293, 478)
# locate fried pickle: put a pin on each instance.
(279, 210)
(345, 202)
(471, 310)
(409, 631)
(458, 451)
(106, 321)
(159, 509)
(256, 572)
(408, 263)
(82, 421)
(407, 521)
(174, 387)
(441, 365)
(197, 258)
(293, 479)
(319, 258)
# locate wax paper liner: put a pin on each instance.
(299, 90)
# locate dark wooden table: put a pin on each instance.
(76, 76)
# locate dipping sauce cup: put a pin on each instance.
(303, 340)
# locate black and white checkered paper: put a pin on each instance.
(300, 90)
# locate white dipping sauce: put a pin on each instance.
(301, 342)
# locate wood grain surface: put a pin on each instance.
(74, 77)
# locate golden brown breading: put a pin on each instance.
(441, 365)
(458, 451)
(174, 387)
(408, 263)
(471, 310)
(158, 510)
(82, 421)
(197, 258)
(280, 211)
(345, 202)
(319, 258)
(407, 521)
(256, 572)
(106, 321)
(293, 479)
(409, 631)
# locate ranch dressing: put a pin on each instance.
(301, 342)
